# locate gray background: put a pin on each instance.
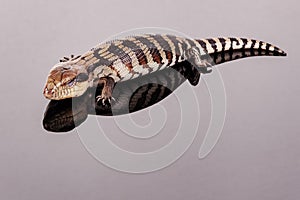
(258, 155)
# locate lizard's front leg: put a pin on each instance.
(108, 86)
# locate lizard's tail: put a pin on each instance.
(220, 50)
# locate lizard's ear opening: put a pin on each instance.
(82, 77)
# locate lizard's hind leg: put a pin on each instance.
(203, 63)
(188, 71)
(194, 65)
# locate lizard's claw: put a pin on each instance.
(105, 100)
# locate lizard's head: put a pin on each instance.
(66, 81)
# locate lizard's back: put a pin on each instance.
(135, 56)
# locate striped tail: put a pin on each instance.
(220, 50)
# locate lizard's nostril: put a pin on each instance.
(47, 93)
(45, 90)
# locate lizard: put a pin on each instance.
(132, 95)
(135, 56)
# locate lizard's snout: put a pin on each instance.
(47, 93)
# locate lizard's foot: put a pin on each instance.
(66, 59)
(106, 95)
(203, 63)
(205, 66)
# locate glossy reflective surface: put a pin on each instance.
(257, 156)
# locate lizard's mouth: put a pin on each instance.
(57, 94)
(64, 92)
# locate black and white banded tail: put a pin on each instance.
(220, 50)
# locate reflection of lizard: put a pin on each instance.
(135, 56)
(130, 96)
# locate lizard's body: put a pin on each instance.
(135, 56)
(132, 95)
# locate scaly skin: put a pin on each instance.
(135, 56)
(131, 96)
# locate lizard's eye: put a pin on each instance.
(66, 67)
(71, 82)
(82, 77)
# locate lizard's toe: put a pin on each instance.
(105, 101)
